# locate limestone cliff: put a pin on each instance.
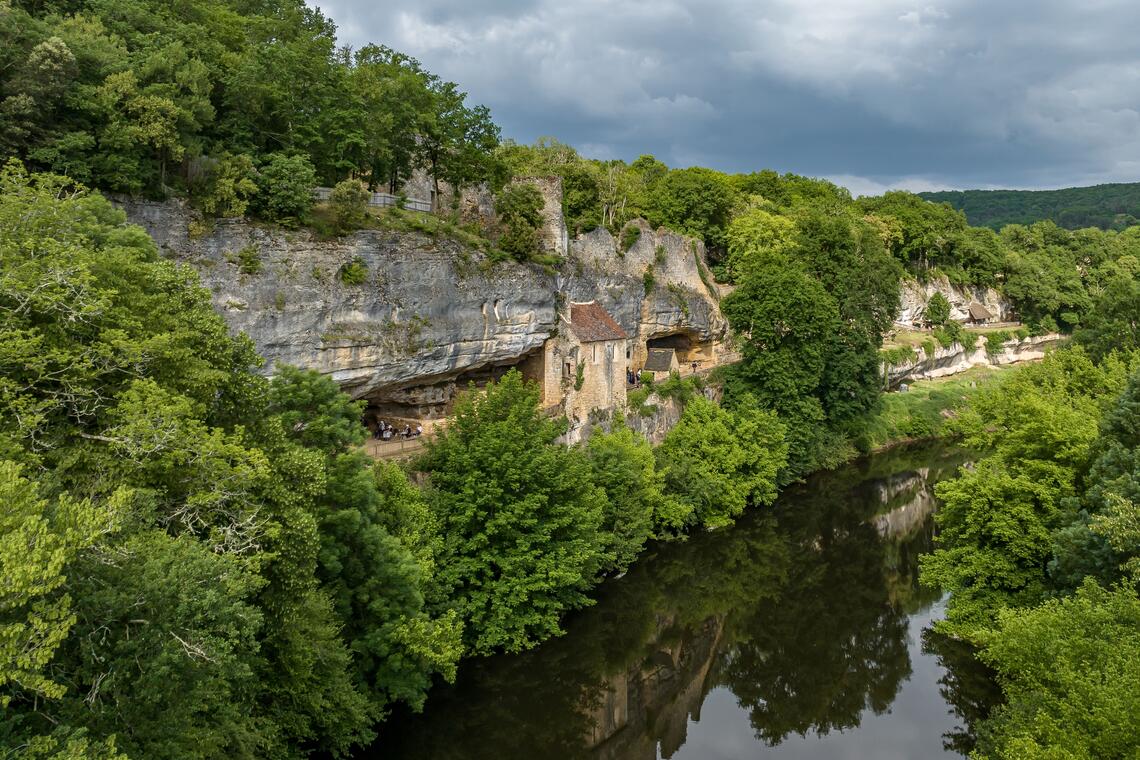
(430, 314)
(913, 296)
(957, 358)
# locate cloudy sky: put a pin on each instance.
(872, 94)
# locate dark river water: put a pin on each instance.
(801, 632)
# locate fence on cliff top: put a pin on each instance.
(381, 200)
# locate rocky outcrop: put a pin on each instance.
(957, 358)
(426, 314)
(913, 296)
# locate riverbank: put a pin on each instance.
(800, 631)
(921, 412)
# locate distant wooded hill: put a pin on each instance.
(1113, 206)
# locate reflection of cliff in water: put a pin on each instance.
(651, 702)
(800, 611)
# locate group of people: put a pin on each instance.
(386, 432)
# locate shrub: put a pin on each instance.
(249, 260)
(1046, 325)
(580, 377)
(285, 188)
(349, 204)
(937, 310)
(995, 340)
(354, 272)
(519, 209)
(629, 236)
(647, 280)
(229, 186)
(898, 355)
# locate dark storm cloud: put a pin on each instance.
(872, 94)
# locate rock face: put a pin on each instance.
(956, 358)
(914, 295)
(429, 314)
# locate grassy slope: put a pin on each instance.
(918, 412)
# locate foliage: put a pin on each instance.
(349, 204)
(285, 188)
(924, 410)
(637, 508)
(354, 272)
(160, 98)
(229, 186)
(716, 462)
(812, 314)
(1070, 670)
(998, 523)
(695, 201)
(937, 310)
(519, 209)
(37, 543)
(190, 603)
(248, 260)
(630, 234)
(1111, 206)
(518, 518)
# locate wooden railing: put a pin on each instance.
(380, 199)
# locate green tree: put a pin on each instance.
(1070, 670)
(349, 204)
(377, 546)
(519, 210)
(637, 507)
(39, 543)
(285, 188)
(695, 201)
(117, 377)
(717, 462)
(229, 186)
(937, 310)
(518, 517)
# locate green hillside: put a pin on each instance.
(1113, 206)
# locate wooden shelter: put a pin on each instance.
(979, 314)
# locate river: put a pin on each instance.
(801, 632)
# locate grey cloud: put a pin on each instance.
(945, 93)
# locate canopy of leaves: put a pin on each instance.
(1111, 206)
(194, 518)
(518, 518)
(153, 97)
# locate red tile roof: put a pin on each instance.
(592, 323)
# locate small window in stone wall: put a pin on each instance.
(628, 354)
(594, 349)
(567, 370)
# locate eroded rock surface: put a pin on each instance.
(431, 314)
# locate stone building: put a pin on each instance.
(583, 367)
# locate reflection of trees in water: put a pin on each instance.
(800, 611)
(968, 687)
(832, 644)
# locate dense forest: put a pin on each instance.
(1110, 207)
(199, 562)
